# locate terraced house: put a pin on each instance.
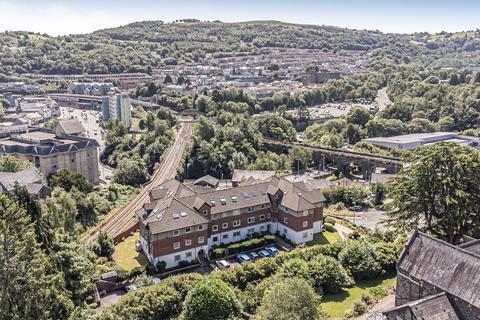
(182, 222)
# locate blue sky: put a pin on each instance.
(66, 16)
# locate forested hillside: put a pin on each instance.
(141, 46)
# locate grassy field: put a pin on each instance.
(326, 237)
(126, 256)
(336, 304)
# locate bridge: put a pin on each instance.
(340, 157)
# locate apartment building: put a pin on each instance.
(181, 223)
(50, 152)
(117, 106)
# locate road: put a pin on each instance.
(88, 118)
(124, 219)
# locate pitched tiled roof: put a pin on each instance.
(256, 175)
(453, 269)
(71, 126)
(170, 188)
(296, 196)
(208, 179)
(171, 214)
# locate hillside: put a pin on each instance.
(141, 46)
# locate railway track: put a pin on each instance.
(124, 220)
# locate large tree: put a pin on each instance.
(292, 299)
(440, 187)
(211, 299)
(28, 289)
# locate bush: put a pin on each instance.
(368, 300)
(136, 271)
(359, 307)
(348, 314)
(210, 299)
(218, 253)
(361, 259)
(122, 274)
(378, 292)
(161, 266)
(328, 227)
(330, 220)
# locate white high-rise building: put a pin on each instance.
(119, 107)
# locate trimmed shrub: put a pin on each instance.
(161, 266)
(359, 307)
(330, 220)
(328, 227)
(218, 253)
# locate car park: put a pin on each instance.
(243, 258)
(264, 253)
(272, 250)
(253, 255)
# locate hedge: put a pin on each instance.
(242, 246)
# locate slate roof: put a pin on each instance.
(44, 142)
(472, 246)
(252, 175)
(170, 214)
(71, 126)
(452, 269)
(435, 307)
(297, 196)
(23, 178)
(208, 179)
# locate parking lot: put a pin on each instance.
(242, 257)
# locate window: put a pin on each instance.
(268, 215)
(236, 223)
(177, 257)
(251, 230)
(225, 225)
(200, 227)
(285, 230)
(215, 239)
(305, 234)
(188, 242)
(305, 213)
(262, 217)
(188, 254)
(262, 206)
(236, 234)
(285, 220)
(305, 224)
(214, 228)
(225, 236)
(251, 209)
(176, 245)
(251, 219)
(176, 233)
(188, 230)
(262, 227)
(201, 239)
(205, 212)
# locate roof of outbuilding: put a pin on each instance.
(22, 177)
(71, 126)
(453, 269)
(434, 307)
(207, 179)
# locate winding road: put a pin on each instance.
(122, 221)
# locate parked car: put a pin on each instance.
(223, 264)
(273, 251)
(254, 255)
(155, 280)
(130, 287)
(243, 258)
(356, 208)
(264, 253)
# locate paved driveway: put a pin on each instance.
(370, 218)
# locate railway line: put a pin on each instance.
(123, 221)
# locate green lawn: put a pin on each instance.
(336, 304)
(326, 237)
(126, 256)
